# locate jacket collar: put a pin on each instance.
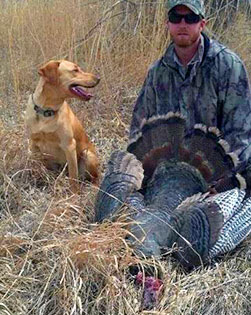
(211, 49)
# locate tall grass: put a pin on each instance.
(117, 39)
(52, 259)
(97, 34)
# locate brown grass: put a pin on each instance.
(53, 260)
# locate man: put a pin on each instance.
(207, 84)
(200, 78)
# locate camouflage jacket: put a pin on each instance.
(216, 94)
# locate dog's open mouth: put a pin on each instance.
(80, 92)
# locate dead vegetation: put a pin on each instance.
(53, 258)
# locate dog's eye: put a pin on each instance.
(75, 70)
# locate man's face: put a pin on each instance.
(184, 34)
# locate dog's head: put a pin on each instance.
(68, 79)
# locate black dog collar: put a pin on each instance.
(41, 111)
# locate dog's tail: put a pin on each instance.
(88, 166)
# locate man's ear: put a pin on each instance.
(166, 24)
(203, 24)
(50, 71)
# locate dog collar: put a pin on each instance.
(41, 111)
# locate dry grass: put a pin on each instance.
(53, 260)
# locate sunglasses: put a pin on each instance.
(190, 18)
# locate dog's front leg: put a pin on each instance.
(71, 157)
(34, 148)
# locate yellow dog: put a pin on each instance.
(54, 130)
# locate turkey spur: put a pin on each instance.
(164, 178)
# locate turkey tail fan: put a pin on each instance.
(156, 132)
(124, 175)
(211, 153)
(229, 182)
(162, 138)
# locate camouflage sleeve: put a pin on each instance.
(145, 104)
(235, 106)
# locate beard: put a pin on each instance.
(184, 40)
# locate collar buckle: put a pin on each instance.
(43, 112)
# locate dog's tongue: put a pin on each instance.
(79, 91)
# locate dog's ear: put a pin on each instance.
(50, 72)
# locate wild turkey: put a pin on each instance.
(163, 177)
